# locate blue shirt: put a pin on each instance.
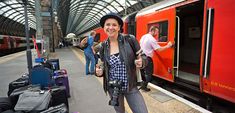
(90, 42)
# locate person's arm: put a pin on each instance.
(92, 45)
(99, 68)
(162, 48)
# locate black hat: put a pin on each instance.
(111, 15)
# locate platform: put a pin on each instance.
(87, 95)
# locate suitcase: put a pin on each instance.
(14, 96)
(41, 75)
(55, 63)
(57, 109)
(5, 104)
(60, 72)
(58, 96)
(20, 82)
(61, 79)
(33, 101)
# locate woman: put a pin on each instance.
(119, 64)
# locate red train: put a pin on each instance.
(10, 44)
(202, 30)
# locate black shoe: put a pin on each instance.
(146, 89)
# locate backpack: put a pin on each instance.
(83, 44)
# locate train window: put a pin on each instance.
(1, 41)
(163, 30)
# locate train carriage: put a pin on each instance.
(10, 44)
(202, 58)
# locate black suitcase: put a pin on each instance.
(57, 109)
(5, 104)
(58, 96)
(20, 82)
(55, 63)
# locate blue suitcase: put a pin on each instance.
(41, 75)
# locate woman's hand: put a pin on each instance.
(98, 70)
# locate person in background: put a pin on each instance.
(149, 44)
(89, 54)
(60, 44)
(119, 63)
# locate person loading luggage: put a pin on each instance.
(149, 44)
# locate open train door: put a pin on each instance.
(179, 21)
(188, 43)
(163, 61)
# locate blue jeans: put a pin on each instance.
(90, 59)
(134, 99)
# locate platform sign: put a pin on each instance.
(48, 14)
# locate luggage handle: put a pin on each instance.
(21, 83)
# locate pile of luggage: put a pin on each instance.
(44, 90)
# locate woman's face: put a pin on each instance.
(111, 27)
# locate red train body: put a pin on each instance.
(9, 44)
(203, 56)
(100, 34)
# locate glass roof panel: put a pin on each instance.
(99, 6)
(79, 15)
(101, 3)
(132, 2)
(110, 8)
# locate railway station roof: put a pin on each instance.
(74, 16)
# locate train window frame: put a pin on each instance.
(163, 30)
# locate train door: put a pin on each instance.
(165, 21)
(188, 42)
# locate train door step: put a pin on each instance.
(187, 95)
(188, 85)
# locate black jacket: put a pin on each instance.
(129, 48)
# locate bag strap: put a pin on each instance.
(130, 41)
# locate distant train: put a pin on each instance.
(203, 32)
(11, 44)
